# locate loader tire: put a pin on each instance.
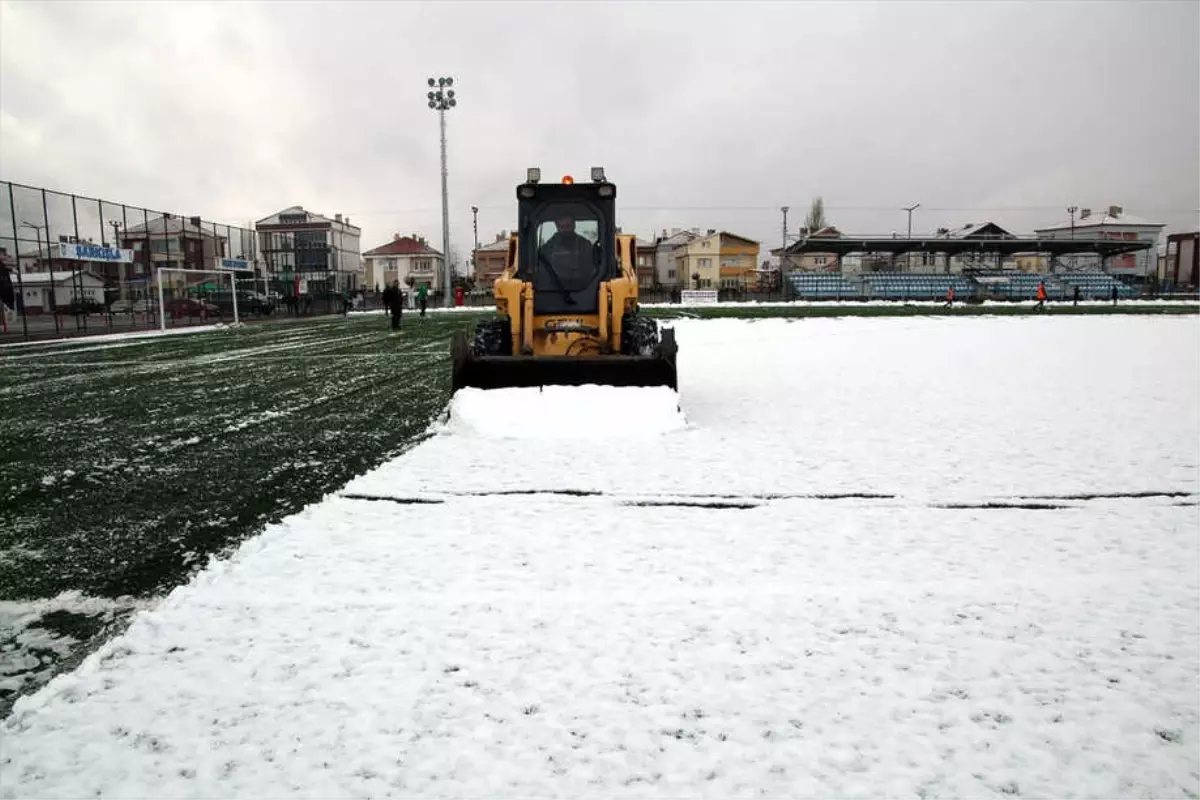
(493, 337)
(639, 335)
(666, 346)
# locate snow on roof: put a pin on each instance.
(498, 246)
(974, 229)
(58, 276)
(676, 239)
(1099, 219)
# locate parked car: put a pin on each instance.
(84, 306)
(130, 306)
(191, 307)
(249, 303)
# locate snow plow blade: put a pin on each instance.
(501, 372)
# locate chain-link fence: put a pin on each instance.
(78, 265)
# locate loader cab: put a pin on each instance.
(568, 243)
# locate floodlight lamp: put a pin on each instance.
(453, 102)
(432, 82)
(450, 93)
(432, 104)
(449, 81)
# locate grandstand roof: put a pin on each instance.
(888, 244)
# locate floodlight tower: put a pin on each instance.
(441, 97)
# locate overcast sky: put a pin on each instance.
(705, 115)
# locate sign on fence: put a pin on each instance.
(85, 251)
(233, 263)
(698, 296)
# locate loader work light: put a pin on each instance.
(597, 174)
(533, 175)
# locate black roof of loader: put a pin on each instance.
(571, 292)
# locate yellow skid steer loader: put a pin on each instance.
(567, 300)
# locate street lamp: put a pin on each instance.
(37, 230)
(783, 253)
(441, 97)
(116, 226)
(475, 229)
(908, 254)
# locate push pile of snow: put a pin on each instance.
(652, 640)
(565, 412)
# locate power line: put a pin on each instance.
(775, 209)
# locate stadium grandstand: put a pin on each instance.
(977, 285)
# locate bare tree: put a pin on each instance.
(816, 220)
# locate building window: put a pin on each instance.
(705, 263)
(671, 274)
(310, 240)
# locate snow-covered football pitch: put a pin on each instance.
(918, 557)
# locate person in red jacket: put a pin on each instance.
(1041, 294)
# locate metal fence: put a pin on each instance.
(78, 265)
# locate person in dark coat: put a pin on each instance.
(8, 294)
(393, 300)
(1114, 294)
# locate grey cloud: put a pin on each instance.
(1009, 111)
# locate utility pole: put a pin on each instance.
(442, 99)
(116, 224)
(783, 257)
(908, 255)
(1071, 210)
(475, 229)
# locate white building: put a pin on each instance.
(408, 259)
(42, 292)
(1111, 224)
(665, 246)
(296, 243)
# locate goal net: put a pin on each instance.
(196, 294)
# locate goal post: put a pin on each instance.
(158, 277)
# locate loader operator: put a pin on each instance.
(568, 257)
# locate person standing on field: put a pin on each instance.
(422, 294)
(393, 300)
